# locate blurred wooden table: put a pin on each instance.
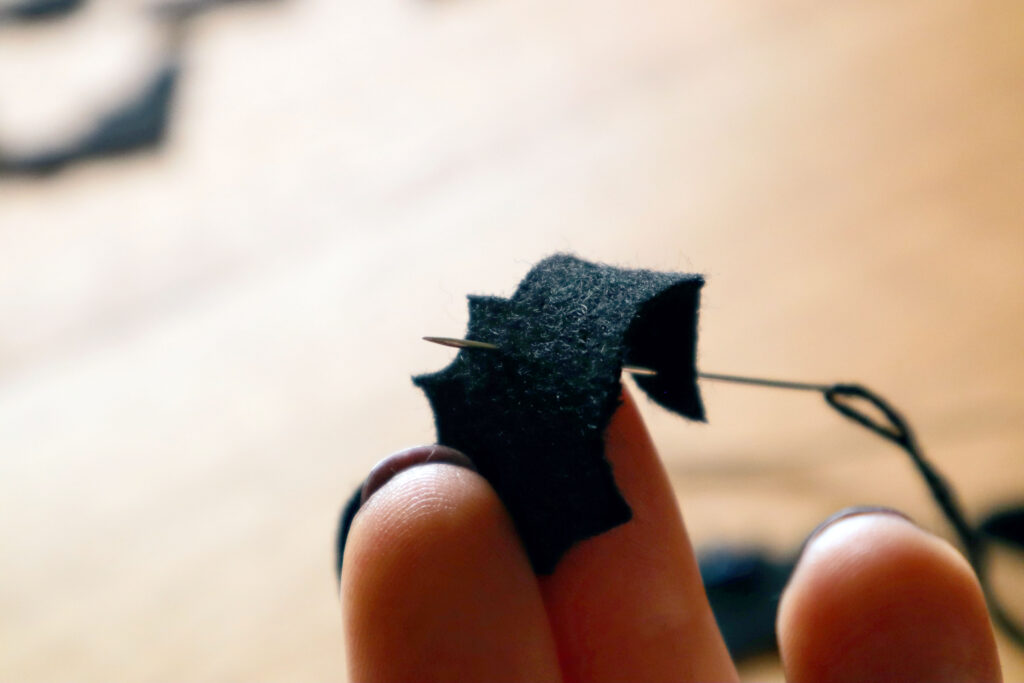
(203, 350)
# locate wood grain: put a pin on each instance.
(204, 349)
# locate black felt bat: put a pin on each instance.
(532, 414)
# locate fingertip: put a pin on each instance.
(383, 472)
(410, 516)
(629, 604)
(437, 587)
(875, 597)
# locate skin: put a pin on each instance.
(436, 587)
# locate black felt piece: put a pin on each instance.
(532, 415)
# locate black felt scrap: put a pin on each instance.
(532, 414)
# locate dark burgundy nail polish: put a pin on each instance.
(851, 512)
(381, 473)
(387, 468)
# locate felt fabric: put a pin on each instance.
(532, 414)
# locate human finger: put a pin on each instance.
(435, 583)
(876, 598)
(629, 604)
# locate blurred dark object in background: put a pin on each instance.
(743, 587)
(38, 10)
(1006, 525)
(139, 124)
(182, 10)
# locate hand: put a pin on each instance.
(436, 587)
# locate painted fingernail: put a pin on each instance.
(383, 472)
(387, 468)
(348, 513)
(851, 512)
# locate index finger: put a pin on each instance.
(630, 604)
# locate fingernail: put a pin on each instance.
(387, 468)
(381, 473)
(348, 513)
(851, 512)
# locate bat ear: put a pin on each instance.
(487, 313)
(663, 337)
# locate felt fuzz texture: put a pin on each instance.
(532, 414)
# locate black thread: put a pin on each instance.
(898, 431)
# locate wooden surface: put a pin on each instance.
(204, 349)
